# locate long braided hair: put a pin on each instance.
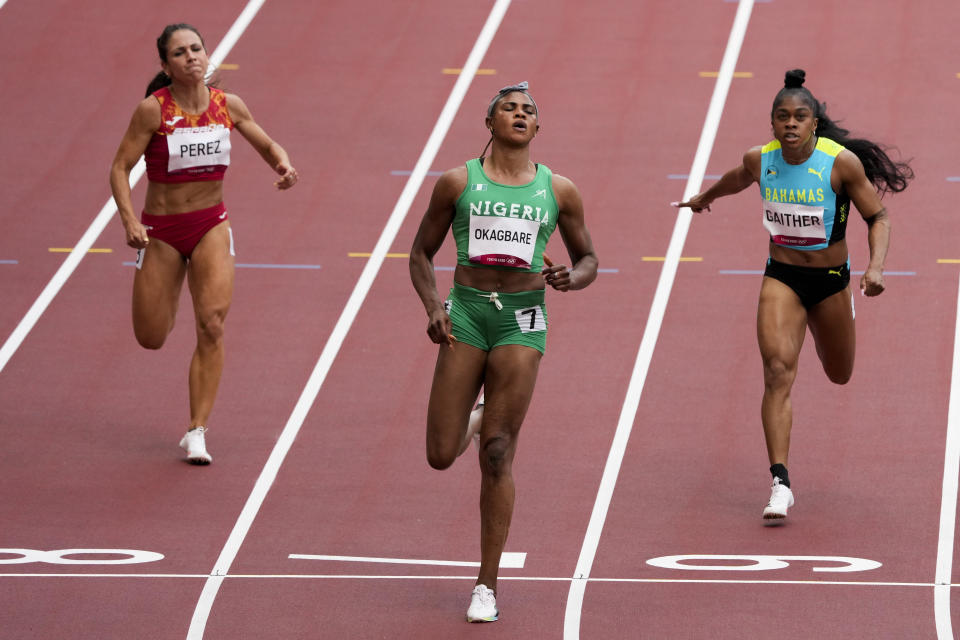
(885, 174)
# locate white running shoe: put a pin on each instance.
(483, 605)
(194, 443)
(476, 419)
(781, 497)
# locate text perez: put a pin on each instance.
(200, 149)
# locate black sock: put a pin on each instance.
(780, 471)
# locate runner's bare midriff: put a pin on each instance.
(501, 280)
(832, 256)
(183, 197)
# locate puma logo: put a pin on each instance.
(819, 174)
(835, 272)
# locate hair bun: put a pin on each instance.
(794, 79)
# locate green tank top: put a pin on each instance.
(503, 226)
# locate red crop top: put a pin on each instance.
(190, 147)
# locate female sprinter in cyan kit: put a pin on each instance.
(808, 175)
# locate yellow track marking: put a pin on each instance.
(948, 260)
(228, 66)
(450, 71)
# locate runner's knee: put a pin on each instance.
(841, 378)
(150, 340)
(439, 457)
(210, 326)
(839, 369)
(496, 455)
(839, 375)
(151, 337)
(778, 374)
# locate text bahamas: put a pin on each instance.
(513, 210)
(793, 195)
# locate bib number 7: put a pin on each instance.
(531, 319)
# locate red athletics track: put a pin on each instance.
(91, 423)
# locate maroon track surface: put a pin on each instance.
(90, 422)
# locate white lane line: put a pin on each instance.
(571, 624)
(472, 576)
(233, 34)
(948, 500)
(109, 209)
(59, 278)
(346, 576)
(2, 2)
(508, 560)
(339, 333)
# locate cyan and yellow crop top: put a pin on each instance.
(800, 208)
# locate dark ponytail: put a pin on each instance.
(159, 81)
(885, 173)
(162, 79)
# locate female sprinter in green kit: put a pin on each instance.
(492, 329)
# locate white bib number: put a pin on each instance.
(504, 241)
(531, 319)
(791, 224)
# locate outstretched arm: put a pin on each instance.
(733, 181)
(271, 152)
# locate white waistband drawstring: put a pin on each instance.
(494, 298)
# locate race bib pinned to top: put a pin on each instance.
(794, 225)
(193, 147)
(502, 241)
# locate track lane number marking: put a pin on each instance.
(87, 556)
(843, 564)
